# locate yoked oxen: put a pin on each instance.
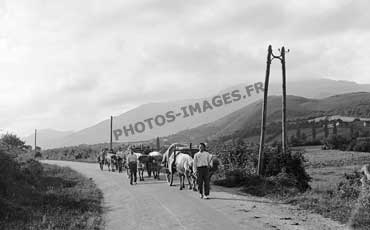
(141, 164)
(173, 164)
(120, 160)
(184, 168)
(110, 161)
(155, 159)
(101, 159)
(177, 162)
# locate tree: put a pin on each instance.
(313, 131)
(11, 141)
(298, 134)
(326, 130)
(303, 137)
(335, 128)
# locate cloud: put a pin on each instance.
(69, 64)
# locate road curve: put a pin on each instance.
(153, 204)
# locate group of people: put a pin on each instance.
(201, 166)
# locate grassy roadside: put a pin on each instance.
(336, 186)
(35, 196)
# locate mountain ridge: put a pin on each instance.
(99, 132)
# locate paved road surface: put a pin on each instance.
(153, 205)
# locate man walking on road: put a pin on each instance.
(202, 161)
(132, 165)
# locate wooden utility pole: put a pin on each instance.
(284, 129)
(281, 57)
(158, 144)
(35, 140)
(264, 108)
(111, 131)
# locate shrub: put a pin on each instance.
(338, 142)
(292, 164)
(279, 169)
(32, 170)
(11, 141)
(236, 176)
(350, 187)
(361, 146)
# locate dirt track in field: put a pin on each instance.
(153, 204)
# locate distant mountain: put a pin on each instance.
(99, 133)
(46, 137)
(249, 117)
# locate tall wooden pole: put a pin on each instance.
(111, 130)
(35, 140)
(158, 144)
(264, 108)
(284, 129)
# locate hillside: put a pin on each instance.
(46, 137)
(99, 133)
(249, 117)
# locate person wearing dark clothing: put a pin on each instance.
(202, 163)
(132, 165)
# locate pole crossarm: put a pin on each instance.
(282, 52)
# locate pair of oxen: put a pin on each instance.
(176, 162)
(118, 161)
(113, 161)
(150, 162)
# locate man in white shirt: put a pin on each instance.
(132, 165)
(202, 161)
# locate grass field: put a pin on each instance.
(327, 167)
(57, 198)
(332, 195)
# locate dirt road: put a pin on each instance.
(154, 205)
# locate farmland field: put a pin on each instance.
(327, 167)
(333, 195)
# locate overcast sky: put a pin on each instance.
(70, 64)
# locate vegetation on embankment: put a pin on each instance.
(41, 196)
(335, 185)
(84, 153)
(284, 175)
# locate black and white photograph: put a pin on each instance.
(184, 114)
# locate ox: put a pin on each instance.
(101, 159)
(184, 168)
(110, 161)
(141, 164)
(155, 160)
(180, 163)
(173, 164)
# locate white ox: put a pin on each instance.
(184, 168)
(178, 163)
(172, 167)
(110, 161)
